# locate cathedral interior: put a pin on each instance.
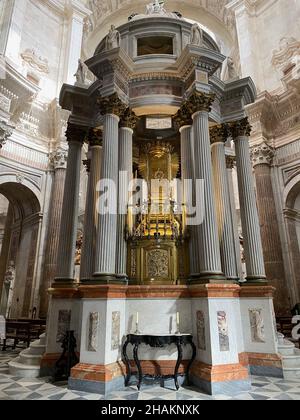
(150, 199)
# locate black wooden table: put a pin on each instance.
(157, 341)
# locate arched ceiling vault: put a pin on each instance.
(210, 13)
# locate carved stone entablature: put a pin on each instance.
(240, 128)
(111, 105)
(262, 155)
(284, 57)
(95, 137)
(199, 101)
(58, 159)
(76, 133)
(5, 132)
(219, 133)
(35, 61)
(129, 119)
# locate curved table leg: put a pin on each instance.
(191, 362)
(127, 362)
(179, 360)
(138, 365)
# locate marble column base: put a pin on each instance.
(208, 278)
(256, 281)
(107, 279)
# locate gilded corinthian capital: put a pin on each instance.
(200, 101)
(183, 116)
(240, 128)
(76, 133)
(95, 137)
(129, 119)
(219, 133)
(111, 105)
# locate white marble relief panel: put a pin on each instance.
(223, 331)
(201, 340)
(257, 326)
(94, 320)
(115, 330)
(63, 325)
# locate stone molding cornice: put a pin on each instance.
(219, 133)
(76, 133)
(111, 105)
(262, 155)
(240, 128)
(128, 119)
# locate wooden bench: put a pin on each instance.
(21, 330)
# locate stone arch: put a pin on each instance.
(19, 249)
(291, 202)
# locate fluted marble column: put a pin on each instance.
(184, 122)
(105, 263)
(207, 232)
(69, 221)
(262, 159)
(87, 267)
(58, 160)
(127, 125)
(218, 137)
(230, 164)
(241, 131)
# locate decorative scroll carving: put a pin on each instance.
(219, 133)
(76, 133)
(158, 263)
(289, 49)
(240, 128)
(200, 101)
(129, 119)
(262, 155)
(111, 105)
(34, 60)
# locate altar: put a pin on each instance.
(159, 233)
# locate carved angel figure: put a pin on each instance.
(113, 38)
(232, 73)
(196, 35)
(81, 72)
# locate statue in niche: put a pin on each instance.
(80, 73)
(232, 73)
(9, 280)
(113, 39)
(196, 35)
